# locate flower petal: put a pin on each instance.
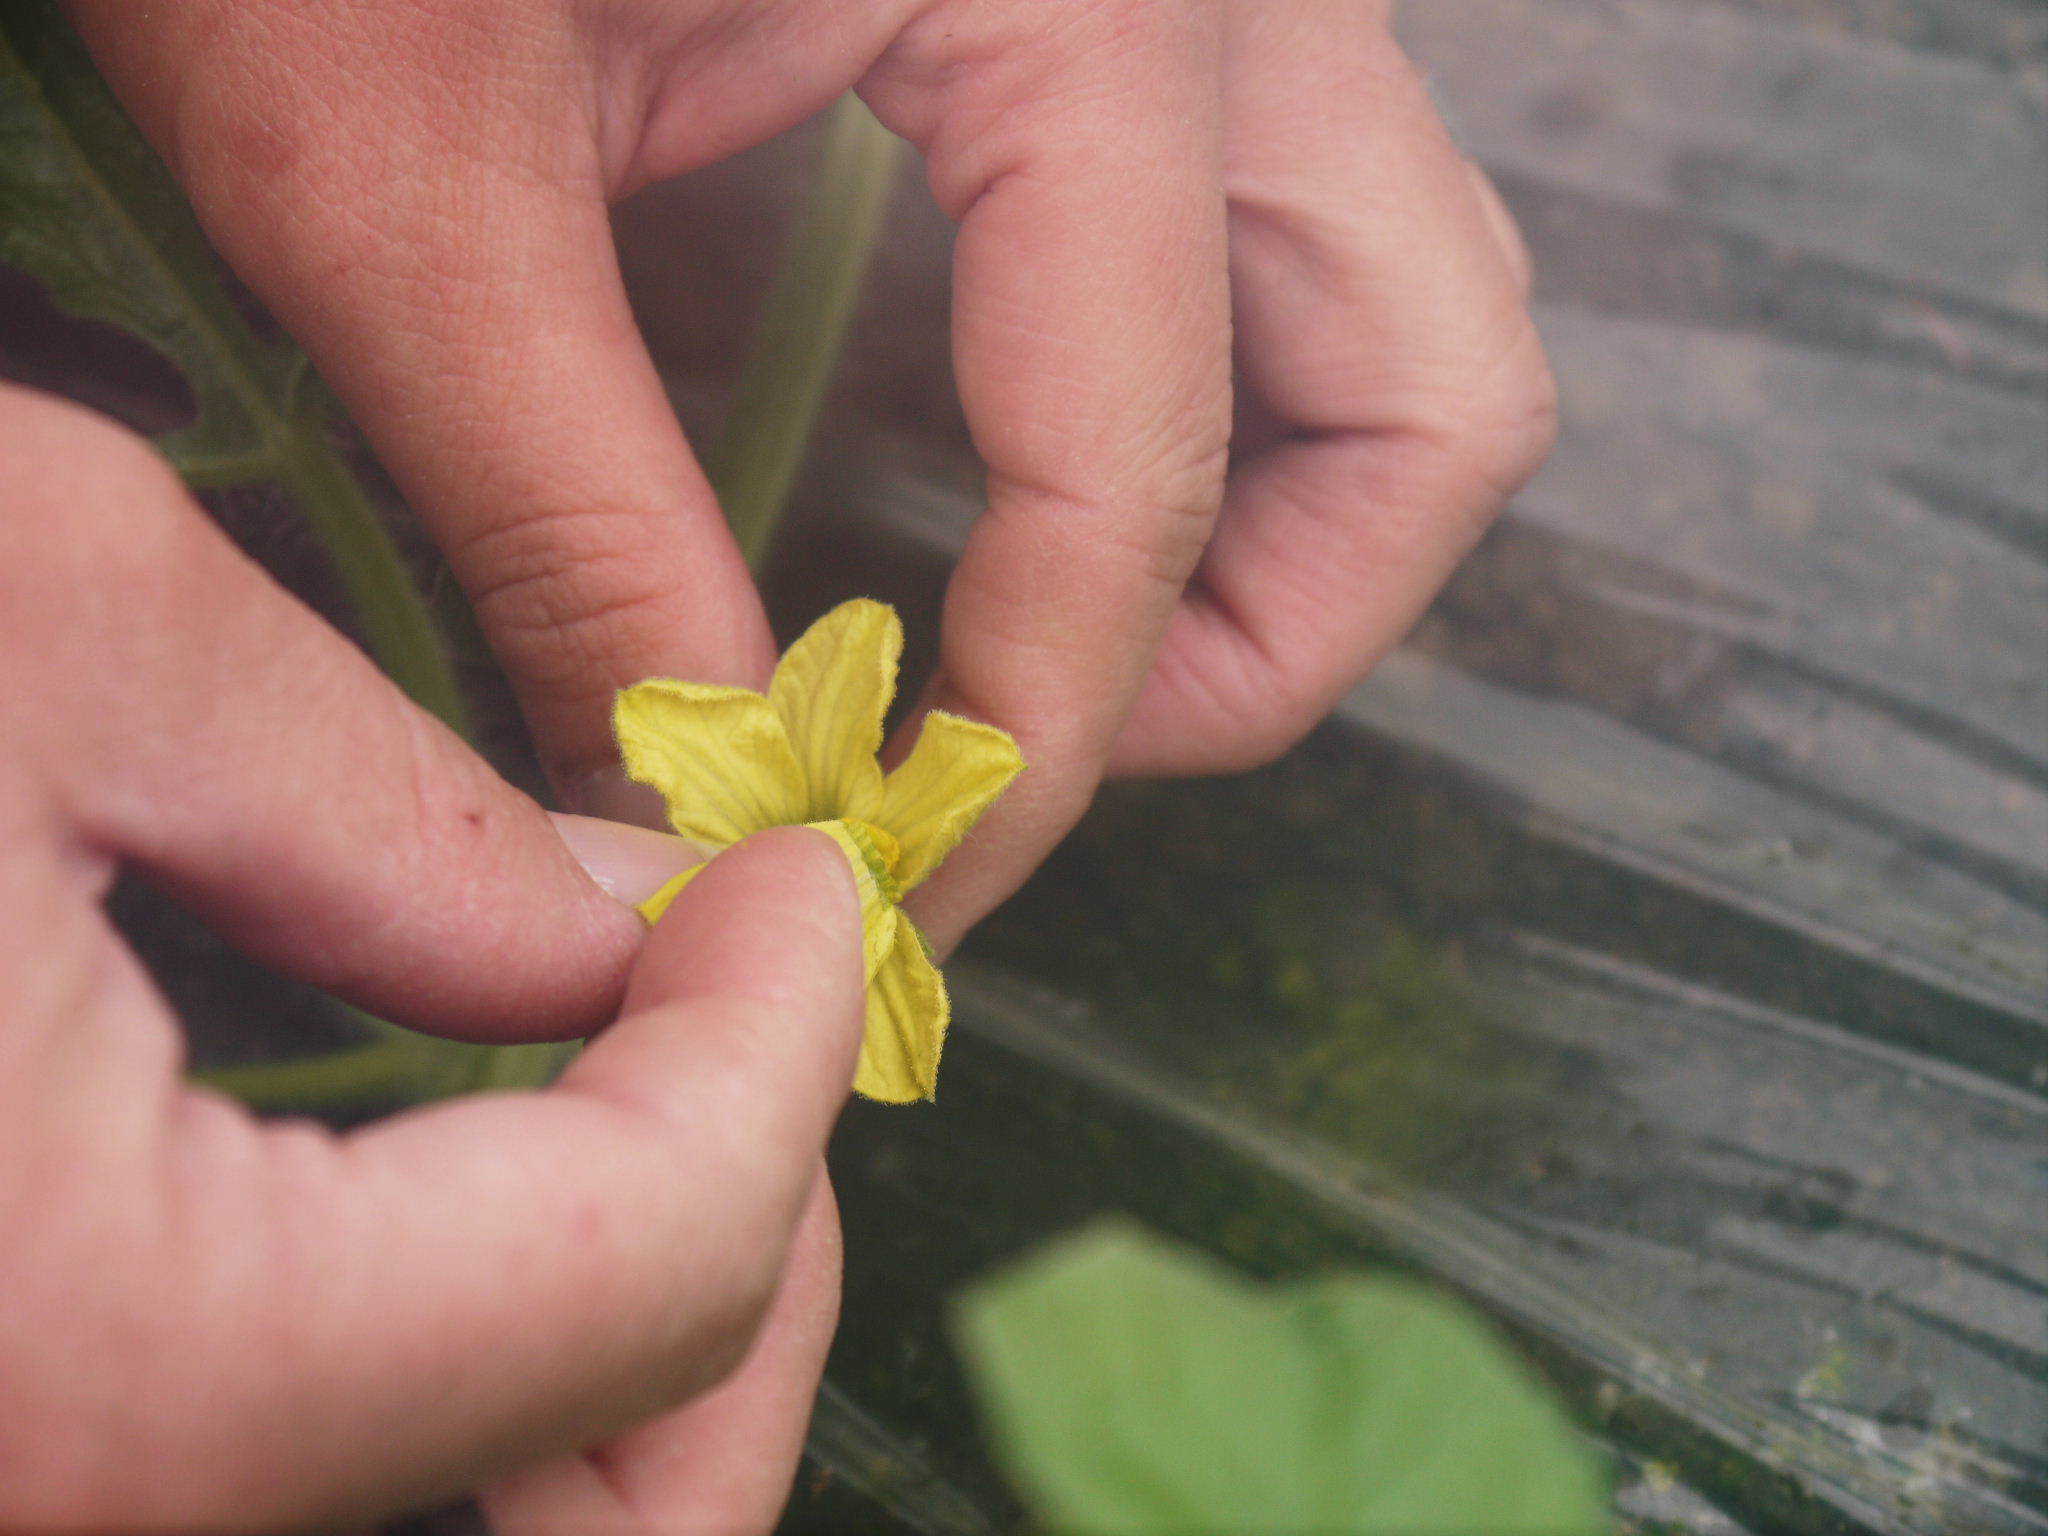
(720, 757)
(907, 1016)
(658, 903)
(879, 919)
(832, 689)
(932, 799)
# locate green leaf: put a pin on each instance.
(89, 211)
(1132, 1388)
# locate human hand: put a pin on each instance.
(207, 1323)
(419, 191)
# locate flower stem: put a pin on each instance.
(781, 388)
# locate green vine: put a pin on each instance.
(803, 326)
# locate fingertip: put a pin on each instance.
(745, 1011)
(774, 919)
(798, 866)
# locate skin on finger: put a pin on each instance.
(377, 1320)
(1382, 320)
(1507, 233)
(82, 1092)
(195, 722)
(419, 193)
(1078, 146)
(721, 1464)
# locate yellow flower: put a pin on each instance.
(730, 762)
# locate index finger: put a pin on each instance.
(446, 258)
(1079, 147)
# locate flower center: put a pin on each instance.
(879, 851)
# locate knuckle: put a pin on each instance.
(1514, 422)
(1526, 414)
(1181, 505)
(567, 609)
(1287, 715)
(1155, 518)
(1499, 428)
(1059, 23)
(1257, 744)
(1260, 709)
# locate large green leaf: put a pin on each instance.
(1136, 1388)
(89, 211)
(87, 208)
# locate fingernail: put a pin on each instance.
(609, 794)
(630, 863)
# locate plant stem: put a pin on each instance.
(150, 271)
(399, 1066)
(383, 1069)
(397, 625)
(781, 388)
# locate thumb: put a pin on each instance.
(382, 1319)
(763, 950)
